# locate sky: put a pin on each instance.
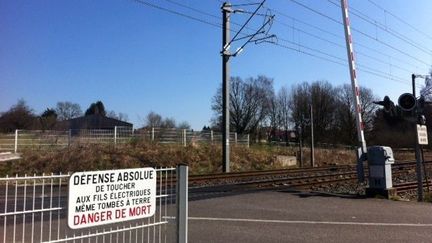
(138, 58)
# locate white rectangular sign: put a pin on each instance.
(111, 196)
(422, 135)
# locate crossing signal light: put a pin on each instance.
(407, 102)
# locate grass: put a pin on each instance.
(201, 158)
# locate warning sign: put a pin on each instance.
(422, 135)
(111, 196)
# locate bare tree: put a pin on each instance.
(299, 102)
(323, 99)
(345, 114)
(274, 118)
(168, 123)
(321, 95)
(119, 116)
(426, 90)
(250, 103)
(283, 102)
(368, 108)
(67, 110)
(184, 125)
(153, 120)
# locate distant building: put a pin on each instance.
(278, 135)
(95, 121)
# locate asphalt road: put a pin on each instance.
(230, 215)
(306, 217)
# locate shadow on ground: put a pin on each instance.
(305, 194)
(233, 190)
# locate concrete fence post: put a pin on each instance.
(152, 134)
(211, 136)
(16, 141)
(184, 138)
(182, 203)
(115, 135)
(235, 138)
(248, 141)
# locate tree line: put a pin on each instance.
(268, 114)
(21, 116)
(256, 108)
(155, 120)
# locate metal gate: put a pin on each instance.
(34, 209)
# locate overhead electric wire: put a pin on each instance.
(310, 54)
(193, 9)
(360, 32)
(177, 13)
(279, 13)
(389, 30)
(364, 69)
(400, 19)
(359, 53)
(384, 54)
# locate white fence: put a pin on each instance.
(49, 138)
(35, 210)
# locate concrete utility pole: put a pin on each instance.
(226, 12)
(226, 54)
(362, 150)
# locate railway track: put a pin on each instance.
(289, 178)
(306, 174)
(409, 186)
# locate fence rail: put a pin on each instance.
(36, 139)
(34, 209)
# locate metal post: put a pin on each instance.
(226, 11)
(152, 134)
(184, 138)
(426, 177)
(356, 92)
(312, 137)
(300, 137)
(115, 135)
(419, 171)
(16, 140)
(182, 203)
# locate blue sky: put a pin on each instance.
(138, 59)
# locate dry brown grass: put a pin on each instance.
(202, 158)
(330, 156)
